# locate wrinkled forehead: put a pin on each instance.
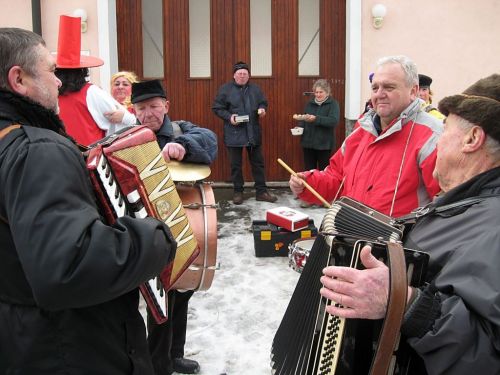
(390, 74)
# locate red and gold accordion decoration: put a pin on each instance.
(130, 177)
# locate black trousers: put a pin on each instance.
(166, 341)
(256, 162)
(316, 159)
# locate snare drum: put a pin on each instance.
(298, 252)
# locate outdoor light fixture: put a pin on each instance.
(82, 13)
(378, 12)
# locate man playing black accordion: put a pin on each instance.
(452, 323)
(387, 161)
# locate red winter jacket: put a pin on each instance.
(370, 164)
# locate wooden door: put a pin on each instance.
(191, 98)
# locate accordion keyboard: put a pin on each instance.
(130, 178)
(116, 199)
(330, 349)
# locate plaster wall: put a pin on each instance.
(456, 42)
(16, 16)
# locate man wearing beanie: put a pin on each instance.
(240, 104)
(179, 140)
(452, 322)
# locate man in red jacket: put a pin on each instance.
(388, 160)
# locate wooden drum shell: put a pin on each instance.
(203, 220)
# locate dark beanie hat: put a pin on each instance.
(424, 81)
(240, 65)
(479, 104)
(146, 90)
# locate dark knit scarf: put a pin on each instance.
(17, 109)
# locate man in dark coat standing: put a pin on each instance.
(69, 298)
(240, 104)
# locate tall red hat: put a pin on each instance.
(69, 46)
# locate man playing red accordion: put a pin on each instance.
(68, 282)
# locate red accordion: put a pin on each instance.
(130, 177)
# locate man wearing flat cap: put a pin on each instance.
(425, 93)
(240, 104)
(182, 141)
(452, 322)
(179, 140)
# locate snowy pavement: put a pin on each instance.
(231, 326)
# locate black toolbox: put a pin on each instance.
(272, 241)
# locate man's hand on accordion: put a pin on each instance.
(357, 293)
(174, 151)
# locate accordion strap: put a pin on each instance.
(446, 210)
(8, 129)
(3, 133)
(395, 310)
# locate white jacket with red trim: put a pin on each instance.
(369, 164)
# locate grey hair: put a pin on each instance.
(322, 84)
(408, 66)
(490, 143)
(18, 47)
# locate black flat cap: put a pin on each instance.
(146, 90)
(424, 81)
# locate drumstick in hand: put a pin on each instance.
(307, 186)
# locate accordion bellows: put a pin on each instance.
(131, 177)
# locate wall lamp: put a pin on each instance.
(82, 13)
(378, 12)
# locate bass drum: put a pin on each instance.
(199, 204)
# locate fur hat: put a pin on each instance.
(69, 44)
(479, 104)
(240, 65)
(146, 90)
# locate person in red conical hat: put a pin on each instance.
(88, 112)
